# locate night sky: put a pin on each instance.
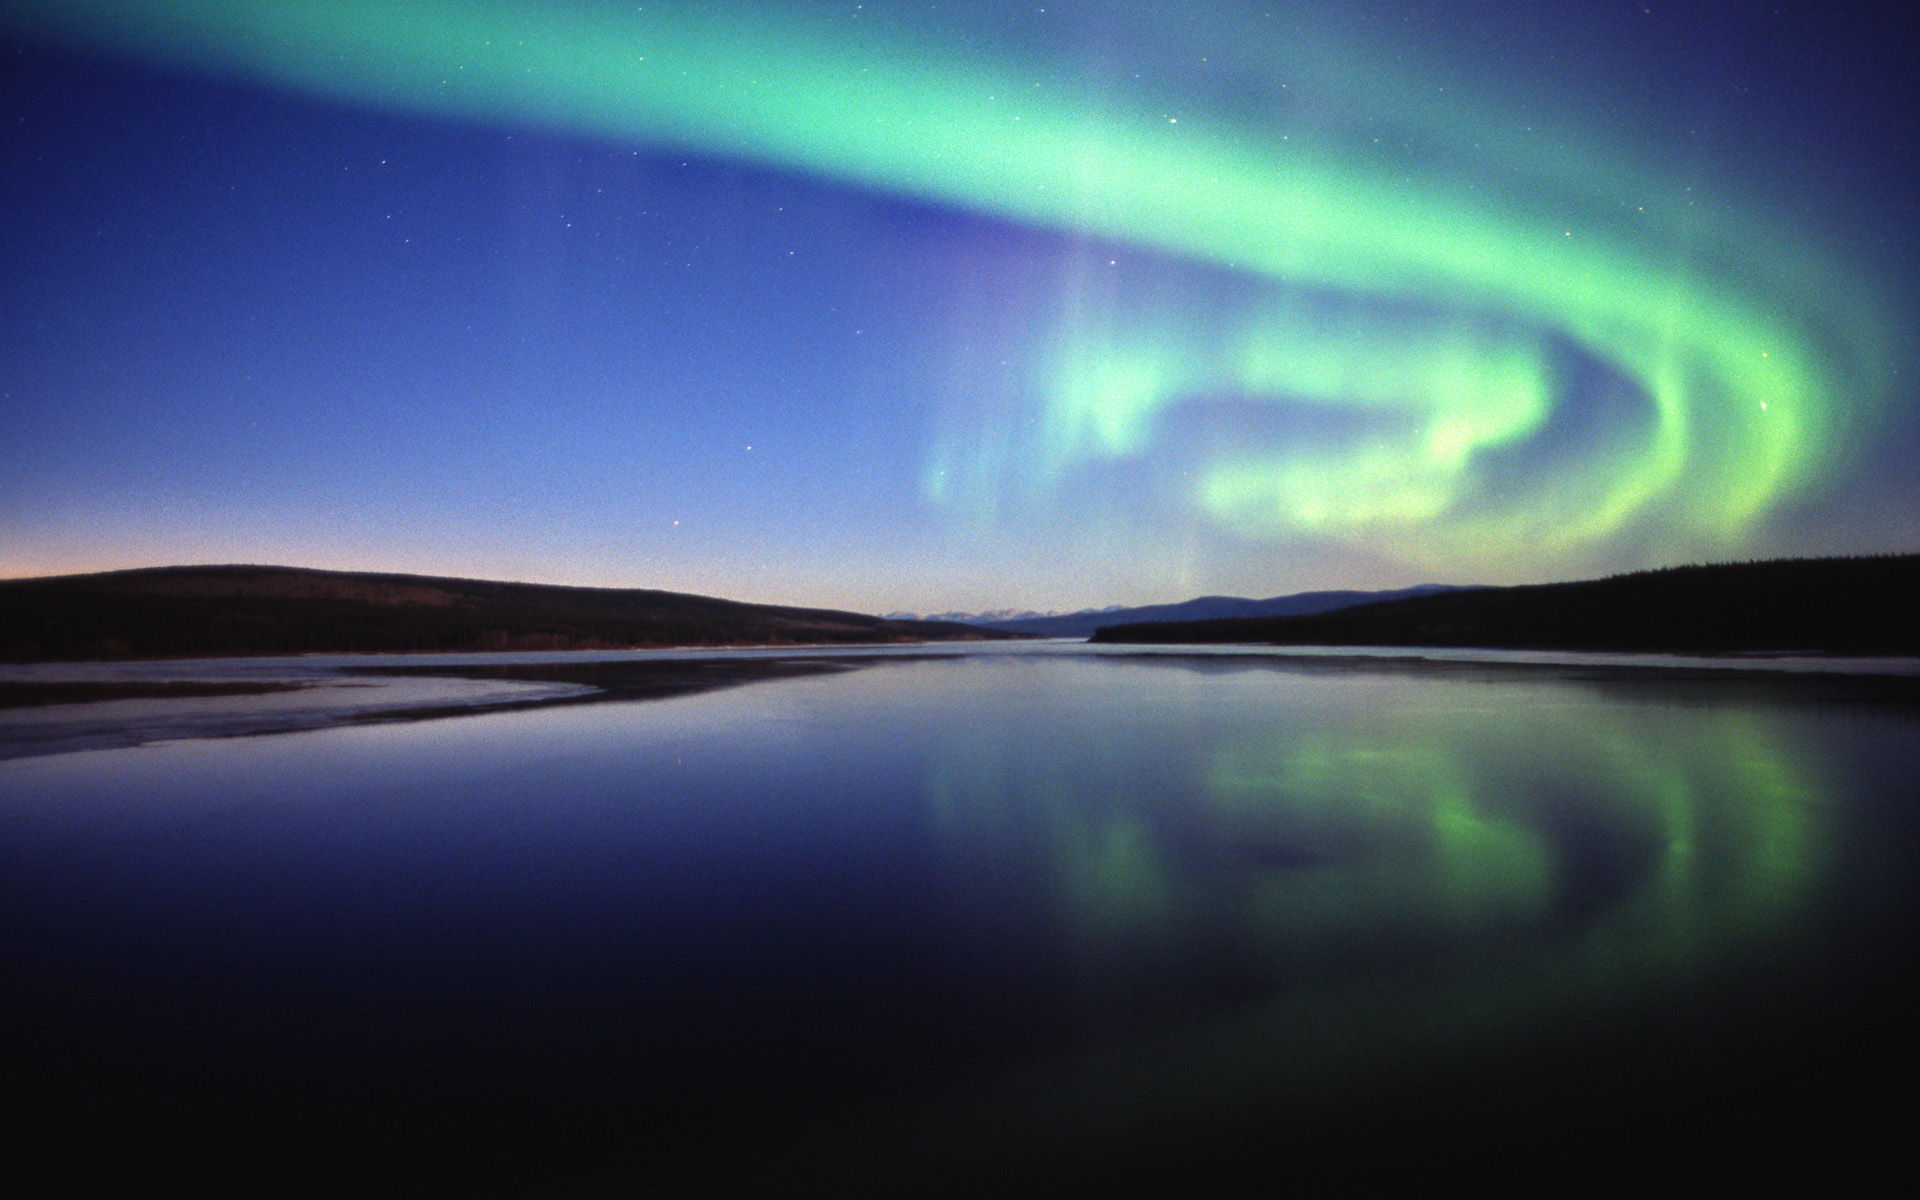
(960, 305)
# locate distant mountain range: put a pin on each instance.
(165, 612)
(1830, 605)
(1084, 622)
(992, 615)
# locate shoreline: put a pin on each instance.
(51, 716)
(50, 719)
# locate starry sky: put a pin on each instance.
(911, 306)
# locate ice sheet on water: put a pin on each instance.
(321, 696)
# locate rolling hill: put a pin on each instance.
(231, 610)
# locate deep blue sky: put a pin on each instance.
(249, 322)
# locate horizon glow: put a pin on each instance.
(1428, 338)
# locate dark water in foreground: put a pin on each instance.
(967, 921)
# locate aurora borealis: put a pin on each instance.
(1126, 300)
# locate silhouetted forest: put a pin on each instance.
(1833, 605)
(185, 611)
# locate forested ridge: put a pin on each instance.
(1862, 605)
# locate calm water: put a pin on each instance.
(977, 918)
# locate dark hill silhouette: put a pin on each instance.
(1832, 605)
(219, 610)
(1203, 608)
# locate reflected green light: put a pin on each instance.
(1750, 355)
(1453, 822)
(1412, 881)
(1403, 813)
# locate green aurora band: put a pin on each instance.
(1436, 298)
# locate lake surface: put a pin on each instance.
(1024, 915)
